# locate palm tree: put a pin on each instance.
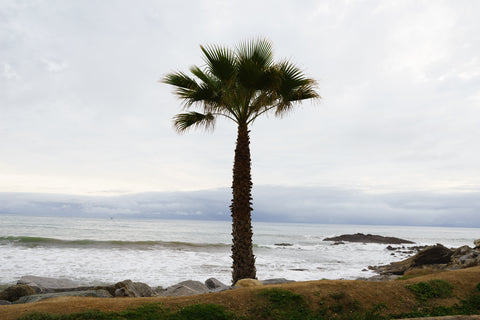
(239, 84)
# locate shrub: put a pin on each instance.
(431, 289)
(281, 304)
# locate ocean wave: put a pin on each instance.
(33, 242)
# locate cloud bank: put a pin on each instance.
(271, 204)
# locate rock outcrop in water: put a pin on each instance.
(437, 257)
(367, 238)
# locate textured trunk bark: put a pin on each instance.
(242, 251)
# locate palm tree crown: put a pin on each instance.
(239, 84)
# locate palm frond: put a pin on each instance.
(184, 85)
(259, 51)
(221, 61)
(294, 87)
(200, 74)
(255, 58)
(184, 121)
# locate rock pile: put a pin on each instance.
(32, 289)
(436, 257)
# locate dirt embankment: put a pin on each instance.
(368, 293)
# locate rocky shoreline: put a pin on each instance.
(426, 259)
(32, 289)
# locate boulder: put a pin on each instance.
(436, 255)
(128, 288)
(87, 293)
(470, 259)
(244, 283)
(16, 292)
(185, 288)
(4, 302)
(216, 285)
(459, 256)
(367, 238)
(476, 243)
(50, 285)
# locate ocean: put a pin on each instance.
(165, 252)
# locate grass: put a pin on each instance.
(431, 289)
(146, 312)
(282, 304)
(414, 273)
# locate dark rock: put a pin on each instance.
(128, 288)
(216, 285)
(185, 288)
(436, 254)
(87, 293)
(299, 269)
(4, 302)
(284, 244)
(391, 248)
(50, 285)
(16, 292)
(336, 243)
(368, 238)
(276, 281)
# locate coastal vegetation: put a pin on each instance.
(438, 294)
(239, 84)
(282, 304)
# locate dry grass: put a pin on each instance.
(393, 294)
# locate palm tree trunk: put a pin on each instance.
(242, 251)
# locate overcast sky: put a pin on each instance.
(82, 111)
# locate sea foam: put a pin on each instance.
(165, 252)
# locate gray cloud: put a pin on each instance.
(271, 203)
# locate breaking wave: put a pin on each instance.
(33, 242)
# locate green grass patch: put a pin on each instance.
(145, 312)
(279, 304)
(431, 289)
(468, 306)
